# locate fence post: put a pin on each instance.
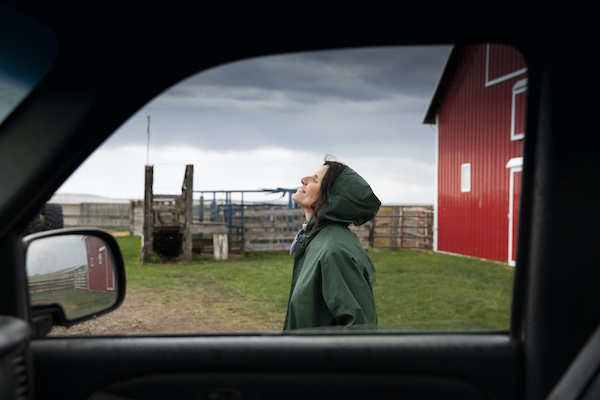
(187, 194)
(401, 226)
(220, 246)
(148, 215)
(394, 225)
(131, 218)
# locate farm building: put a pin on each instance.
(478, 108)
(100, 271)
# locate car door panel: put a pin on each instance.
(282, 366)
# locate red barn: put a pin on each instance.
(479, 110)
(100, 270)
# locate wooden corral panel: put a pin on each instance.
(274, 229)
(50, 285)
(271, 229)
(81, 278)
(136, 226)
(403, 226)
(71, 278)
(363, 233)
(98, 215)
(71, 213)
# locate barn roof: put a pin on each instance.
(443, 84)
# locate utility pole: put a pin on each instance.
(148, 145)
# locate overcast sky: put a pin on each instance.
(265, 123)
(56, 253)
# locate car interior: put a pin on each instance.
(81, 71)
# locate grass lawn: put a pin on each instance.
(414, 290)
(417, 290)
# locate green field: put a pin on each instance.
(414, 290)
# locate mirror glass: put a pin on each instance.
(74, 272)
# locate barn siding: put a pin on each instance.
(100, 270)
(474, 127)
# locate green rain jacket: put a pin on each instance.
(333, 277)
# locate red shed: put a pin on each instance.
(479, 109)
(100, 270)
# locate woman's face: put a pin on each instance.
(308, 193)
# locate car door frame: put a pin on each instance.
(555, 309)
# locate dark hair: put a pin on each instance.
(333, 172)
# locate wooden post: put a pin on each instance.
(148, 215)
(131, 217)
(394, 225)
(187, 192)
(220, 246)
(417, 240)
(401, 227)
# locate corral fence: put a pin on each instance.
(51, 285)
(111, 216)
(269, 228)
(403, 226)
(75, 278)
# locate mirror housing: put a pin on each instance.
(73, 275)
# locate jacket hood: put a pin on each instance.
(351, 201)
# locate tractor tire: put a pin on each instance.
(52, 216)
(34, 226)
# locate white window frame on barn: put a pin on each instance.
(499, 79)
(465, 177)
(519, 88)
(515, 165)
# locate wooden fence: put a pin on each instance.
(403, 227)
(74, 279)
(51, 285)
(393, 227)
(117, 216)
(398, 226)
(271, 229)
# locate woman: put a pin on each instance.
(333, 277)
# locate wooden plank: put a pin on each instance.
(269, 236)
(287, 225)
(286, 212)
(166, 196)
(209, 228)
(261, 247)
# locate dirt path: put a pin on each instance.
(153, 311)
(203, 310)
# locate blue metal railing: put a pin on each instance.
(232, 212)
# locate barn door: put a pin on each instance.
(516, 166)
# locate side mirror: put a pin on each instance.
(73, 275)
